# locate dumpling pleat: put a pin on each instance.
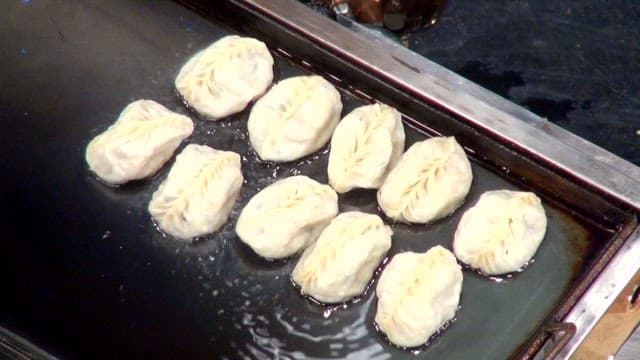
(341, 262)
(430, 181)
(501, 232)
(286, 216)
(177, 206)
(417, 294)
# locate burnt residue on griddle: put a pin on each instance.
(585, 239)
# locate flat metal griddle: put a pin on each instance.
(92, 277)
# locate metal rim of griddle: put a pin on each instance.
(502, 119)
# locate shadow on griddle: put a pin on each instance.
(254, 261)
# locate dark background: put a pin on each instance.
(576, 63)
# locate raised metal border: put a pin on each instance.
(13, 346)
(498, 117)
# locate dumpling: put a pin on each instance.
(199, 193)
(501, 232)
(430, 181)
(137, 145)
(366, 144)
(295, 118)
(417, 294)
(340, 264)
(286, 216)
(223, 78)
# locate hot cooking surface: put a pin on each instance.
(89, 274)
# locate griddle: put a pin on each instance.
(91, 276)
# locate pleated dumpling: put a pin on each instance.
(417, 294)
(199, 193)
(286, 216)
(223, 78)
(501, 232)
(366, 144)
(294, 118)
(143, 138)
(429, 182)
(340, 264)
